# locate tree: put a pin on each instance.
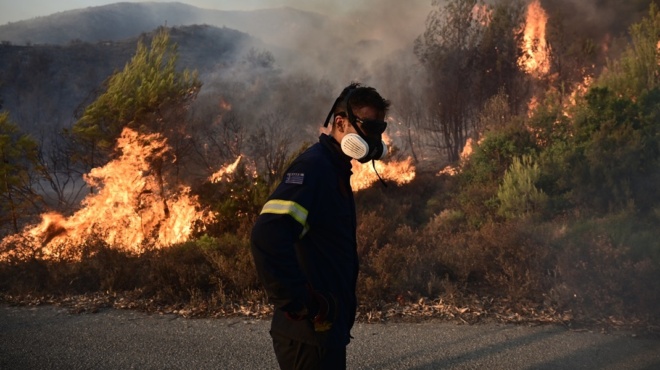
(18, 161)
(149, 95)
(613, 146)
(470, 51)
(638, 70)
(402, 79)
(219, 135)
(517, 194)
(447, 50)
(499, 50)
(614, 159)
(270, 145)
(61, 181)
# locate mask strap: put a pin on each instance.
(373, 162)
(349, 112)
(352, 119)
(332, 111)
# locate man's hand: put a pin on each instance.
(325, 315)
(320, 309)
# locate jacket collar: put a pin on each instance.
(338, 157)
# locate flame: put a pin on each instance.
(580, 89)
(536, 58)
(468, 149)
(132, 210)
(400, 172)
(225, 171)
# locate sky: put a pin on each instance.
(17, 10)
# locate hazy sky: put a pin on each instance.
(16, 10)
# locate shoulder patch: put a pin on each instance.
(294, 178)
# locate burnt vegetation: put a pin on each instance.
(551, 217)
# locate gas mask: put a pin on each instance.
(367, 144)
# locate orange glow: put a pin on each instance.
(467, 149)
(453, 170)
(399, 172)
(482, 14)
(579, 90)
(224, 105)
(225, 171)
(536, 59)
(132, 209)
(532, 105)
(364, 176)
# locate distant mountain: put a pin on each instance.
(124, 20)
(296, 38)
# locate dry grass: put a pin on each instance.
(421, 257)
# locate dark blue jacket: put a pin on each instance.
(304, 241)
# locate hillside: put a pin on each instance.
(58, 62)
(125, 20)
(61, 79)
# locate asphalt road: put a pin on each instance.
(48, 337)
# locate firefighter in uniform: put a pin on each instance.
(304, 241)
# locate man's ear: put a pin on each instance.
(339, 123)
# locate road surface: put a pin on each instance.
(48, 337)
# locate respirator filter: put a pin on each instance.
(356, 147)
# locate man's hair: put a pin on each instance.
(361, 96)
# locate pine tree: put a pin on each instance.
(149, 95)
(18, 162)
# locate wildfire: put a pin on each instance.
(579, 90)
(134, 209)
(400, 172)
(468, 149)
(536, 58)
(225, 171)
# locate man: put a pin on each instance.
(304, 243)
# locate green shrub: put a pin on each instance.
(518, 195)
(478, 181)
(615, 155)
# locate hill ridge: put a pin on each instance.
(123, 20)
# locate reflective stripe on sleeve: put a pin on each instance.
(287, 207)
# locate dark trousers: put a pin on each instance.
(295, 355)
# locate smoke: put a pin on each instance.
(348, 37)
(316, 53)
(596, 19)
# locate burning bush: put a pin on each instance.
(131, 208)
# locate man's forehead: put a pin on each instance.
(367, 112)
